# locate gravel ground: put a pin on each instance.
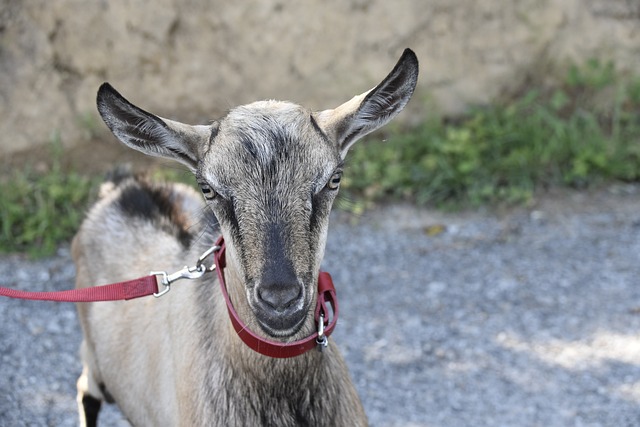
(529, 317)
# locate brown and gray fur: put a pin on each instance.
(269, 172)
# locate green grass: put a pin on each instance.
(38, 211)
(584, 131)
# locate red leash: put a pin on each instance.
(131, 289)
(148, 285)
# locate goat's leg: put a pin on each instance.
(89, 399)
(88, 404)
(88, 411)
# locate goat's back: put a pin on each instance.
(136, 227)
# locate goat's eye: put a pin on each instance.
(334, 182)
(208, 192)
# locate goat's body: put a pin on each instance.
(269, 172)
(227, 383)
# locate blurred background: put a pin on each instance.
(514, 96)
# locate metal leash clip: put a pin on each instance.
(185, 272)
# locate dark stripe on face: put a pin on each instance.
(227, 215)
(268, 143)
(321, 206)
(278, 267)
(250, 146)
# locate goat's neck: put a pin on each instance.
(231, 370)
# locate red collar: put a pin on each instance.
(148, 285)
(326, 294)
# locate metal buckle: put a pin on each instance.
(185, 272)
(207, 254)
(322, 340)
(165, 282)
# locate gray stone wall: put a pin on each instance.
(193, 59)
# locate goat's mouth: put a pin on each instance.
(280, 325)
(281, 319)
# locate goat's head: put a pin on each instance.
(269, 171)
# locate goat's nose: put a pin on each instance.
(279, 297)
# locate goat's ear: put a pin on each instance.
(371, 110)
(151, 134)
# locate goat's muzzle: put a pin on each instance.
(280, 307)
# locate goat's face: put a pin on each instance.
(270, 172)
(270, 175)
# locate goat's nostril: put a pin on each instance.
(279, 297)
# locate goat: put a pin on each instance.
(269, 172)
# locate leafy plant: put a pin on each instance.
(38, 211)
(505, 152)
